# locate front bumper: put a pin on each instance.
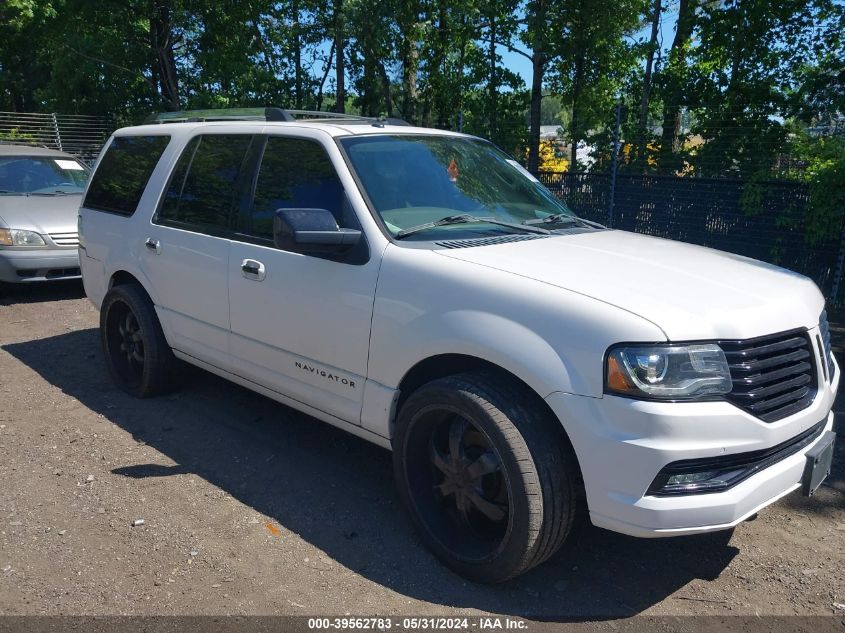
(38, 264)
(622, 444)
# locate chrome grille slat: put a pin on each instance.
(772, 403)
(774, 361)
(790, 343)
(65, 239)
(773, 376)
(755, 380)
(776, 388)
(789, 409)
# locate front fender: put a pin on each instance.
(552, 339)
(489, 337)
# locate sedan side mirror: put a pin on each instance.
(311, 231)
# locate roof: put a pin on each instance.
(14, 149)
(346, 128)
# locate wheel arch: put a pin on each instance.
(122, 276)
(450, 364)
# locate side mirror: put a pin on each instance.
(311, 231)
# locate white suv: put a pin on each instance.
(421, 290)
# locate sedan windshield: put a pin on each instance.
(44, 175)
(417, 182)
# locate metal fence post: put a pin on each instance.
(614, 164)
(834, 291)
(56, 130)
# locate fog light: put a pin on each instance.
(715, 474)
(669, 483)
(690, 478)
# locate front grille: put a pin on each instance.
(824, 328)
(773, 376)
(65, 239)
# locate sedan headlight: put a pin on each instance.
(19, 237)
(668, 371)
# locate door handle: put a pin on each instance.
(153, 245)
(252, 269)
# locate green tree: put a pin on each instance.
(595, 60)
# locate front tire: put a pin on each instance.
(137, 355)
(487, 477)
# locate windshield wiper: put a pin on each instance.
(465, 218)
(57, 192)
(564, 218)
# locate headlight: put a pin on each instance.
(668, 371)
(18, 237)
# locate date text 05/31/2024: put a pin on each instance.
(420, 623)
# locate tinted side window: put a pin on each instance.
(205, 186)
(123, 173)
(294, 174)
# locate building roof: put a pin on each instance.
(550, 131)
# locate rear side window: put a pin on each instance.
(123, 173)
(205, 185)
(294, 174)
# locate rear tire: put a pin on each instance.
(487, 477)
(138, 357)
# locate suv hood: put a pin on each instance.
(42, 214)
(690, 292)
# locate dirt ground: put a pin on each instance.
(252, 508)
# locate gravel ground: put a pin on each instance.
(249, 507)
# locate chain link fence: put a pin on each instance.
(76, 134)
(733, 187)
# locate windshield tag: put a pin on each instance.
(522, 170)
(452, 170)
(70, 165)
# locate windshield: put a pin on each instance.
(45, 175)
(413, 180)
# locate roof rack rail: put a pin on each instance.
(265, 114)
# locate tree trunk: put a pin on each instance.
(326, 71)
(535, 111)
(340, 70)
(163, 68)
(410, 69)
(669, 144)
(385, 82)
(492, 84)
(461, 64)
(409, 75)
(368, 97)
(649, 65)
(443, 36)
(538, 63)
(297, 56)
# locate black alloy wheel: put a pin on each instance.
(487, 477)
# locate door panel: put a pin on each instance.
(186, 251)
(189, 274)
(303, 328)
